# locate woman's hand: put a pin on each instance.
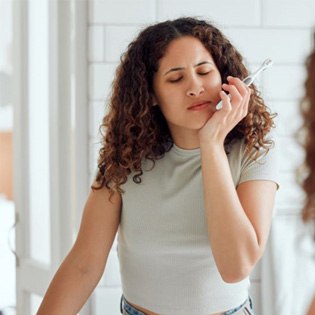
(234, 109)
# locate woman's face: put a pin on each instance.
(186, 86)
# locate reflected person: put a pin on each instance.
(308, 112)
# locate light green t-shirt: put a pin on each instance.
(166, 262)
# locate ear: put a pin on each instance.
(154, 100)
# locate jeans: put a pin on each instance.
(246, 308)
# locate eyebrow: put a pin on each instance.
(182, 68)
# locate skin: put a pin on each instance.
(83, 267)
(311, 311)
(238, 227)
(186, 76)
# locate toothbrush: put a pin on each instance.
(251, 78)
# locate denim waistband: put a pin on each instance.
(124, 305)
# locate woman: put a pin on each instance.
(308, 112)
(190, 189)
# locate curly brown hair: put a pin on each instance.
(134, 129)
(308, 112)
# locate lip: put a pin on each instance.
(200, 105)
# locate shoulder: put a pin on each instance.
(238, 149)
(260, 163)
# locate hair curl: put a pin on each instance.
(308, 112)
(134, 130)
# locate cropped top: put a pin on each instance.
(165, 258)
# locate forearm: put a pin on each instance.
(232, 237)
(70, 287)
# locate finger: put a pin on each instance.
(235, 94)
(240, 85)
(247, 102)
(226, 101)
(245, 105)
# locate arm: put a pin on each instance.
(238, 219)
(84, 265)
(311, 311)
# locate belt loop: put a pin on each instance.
(121, 304)
(250, 302)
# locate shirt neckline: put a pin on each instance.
(185, 152)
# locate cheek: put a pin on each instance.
(170, 102)
(169, 95)
(161, 92)
(215, 83)
(214, 87)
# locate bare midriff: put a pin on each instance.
(147, 312)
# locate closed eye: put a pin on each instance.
(204, 73)
(175, 80)
(180, 78)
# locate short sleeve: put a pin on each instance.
(264, 167)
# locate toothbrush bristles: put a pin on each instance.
(267, 62)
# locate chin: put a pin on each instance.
(205, 121)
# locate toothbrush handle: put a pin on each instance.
(250, 79)
(220, 104)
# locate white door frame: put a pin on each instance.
(68, 137)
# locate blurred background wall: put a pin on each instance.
(7, 261)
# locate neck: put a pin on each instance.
(187, 140)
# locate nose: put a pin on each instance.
(195, 88)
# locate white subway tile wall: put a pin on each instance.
(290, 112)
(96, 43)
(276, 29)
(284, 82)
(220, 12)
(117, 12)
(288, 13)
(285, 46)
(100, 80)
(117, 39)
